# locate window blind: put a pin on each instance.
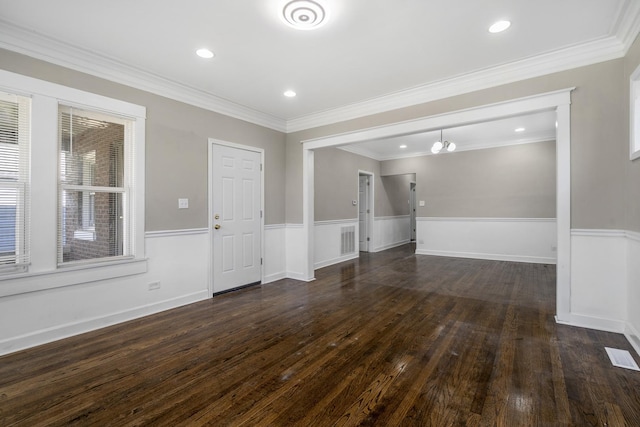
(15, 141)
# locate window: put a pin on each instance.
(82, 157)
(14, 181)
(93, 190)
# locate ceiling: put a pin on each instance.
(371, 56)
(532, 128)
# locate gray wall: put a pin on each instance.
(336, 186)
(336, 183)
(518, 181)
(632, 169)
(176, 146)
(394, 197)
(598, 137)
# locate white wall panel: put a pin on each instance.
(327, 241)
(295, 251)
(633, 291)
(599, 279)
(179, 262)
(275, 260)
(390, 231)
(507, 239)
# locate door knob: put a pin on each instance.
(217, 226)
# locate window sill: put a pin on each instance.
(23, 283)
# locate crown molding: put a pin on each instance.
(38, 46)
(624, 31)
(560, 60)
(361, 151)
(628, 24)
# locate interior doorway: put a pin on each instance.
(365, 197)
(412, 211)
(558, 101)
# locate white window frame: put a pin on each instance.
(44, 271)
(87, 231)
(21, 187)
(634, 115)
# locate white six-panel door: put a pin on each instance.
(236, 209)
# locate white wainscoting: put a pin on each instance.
(295, 251)
(605, 282)
(275, 254)
(177, 259)
(327, 242)
(503, 239)
(599, 279)
(632, 331)
(390, 231)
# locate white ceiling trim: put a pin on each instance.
(624, 32)
(27, 42)
(561, 60)
(627, 26)
(615, 46)
(361, 151)
(489, 112)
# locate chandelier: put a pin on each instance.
(440, 144)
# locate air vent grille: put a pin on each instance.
(347, 239)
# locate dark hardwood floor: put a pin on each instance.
(390, 339)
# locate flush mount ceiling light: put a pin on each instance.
(439, 145)
(304, 14)
(520, 129)
(204, 53)
(403, 146)
(289, 93)
(499, 26)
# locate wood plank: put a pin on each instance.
(389, 339)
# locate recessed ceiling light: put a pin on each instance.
(204, 53)
(499, 26)
(304, 14)
(520, 129)
(289, 94)
(403, 146)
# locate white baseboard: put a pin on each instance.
(338, 260)
(391, 245)
(44, 336)
(597, 323)
(493, 257)
(299, 276)
(274, 277)
(633, 337)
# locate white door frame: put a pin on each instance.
(370, 200)
(412, 211)
(210, 221)
(559, 101)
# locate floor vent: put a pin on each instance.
(622, 359)
(347, 239)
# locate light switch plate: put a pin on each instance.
(183, 203)
(421, 202)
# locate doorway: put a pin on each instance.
(365, 197)
(559, 101)
(235, 215)
(412, 211)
